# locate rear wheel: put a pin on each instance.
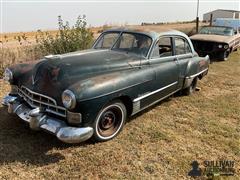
(109, 121)
(189, 90)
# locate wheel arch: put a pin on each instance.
(126, 100)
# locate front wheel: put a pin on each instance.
(189, 90)
(224, 55)
(109, 121)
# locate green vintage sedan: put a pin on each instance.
(90, 94)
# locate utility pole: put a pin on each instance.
(197, 18)
(211, 17)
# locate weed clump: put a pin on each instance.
(68, 39)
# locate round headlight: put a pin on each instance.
(220, 46)
(8, 75)
(226, 46)
(68, 99)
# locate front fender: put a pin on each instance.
(94, 93)
(110, 83)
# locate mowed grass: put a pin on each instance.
(160, 143)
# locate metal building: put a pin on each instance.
(221, 13)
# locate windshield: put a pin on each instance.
(106, 40)
(126, 42)
(225, 31)
(133, 43)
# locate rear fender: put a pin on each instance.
(197, 67)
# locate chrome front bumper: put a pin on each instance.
(38, 120)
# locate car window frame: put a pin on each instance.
(120, 34)
(103, 34)
(129, 32)
(156, 42)
(183, 38)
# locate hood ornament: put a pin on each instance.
(33, 81)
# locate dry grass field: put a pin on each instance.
(10, 40)
(160, 143)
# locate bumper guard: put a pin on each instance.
(38, 120)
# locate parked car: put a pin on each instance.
(216, 41)
(90, 93)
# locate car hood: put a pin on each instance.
(55, 73)
(211, 37)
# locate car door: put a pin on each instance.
(165, 66)
(183, 53)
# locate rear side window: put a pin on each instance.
(163, 48)
(181, 46)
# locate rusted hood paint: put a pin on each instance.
(52, 75)
(212, 37)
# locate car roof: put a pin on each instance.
(154, 35)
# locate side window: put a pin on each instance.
(163, 48)
(107, 40)
(182, 46)
(133, 43)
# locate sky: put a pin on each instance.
(31, 15)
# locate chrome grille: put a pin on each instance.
(39, 100)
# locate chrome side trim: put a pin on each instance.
(172, 57)
(84, 53)
(156, 101)
(194, 75)
(188, 80)
(136, 107)
(156, 91)
(163, 58)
